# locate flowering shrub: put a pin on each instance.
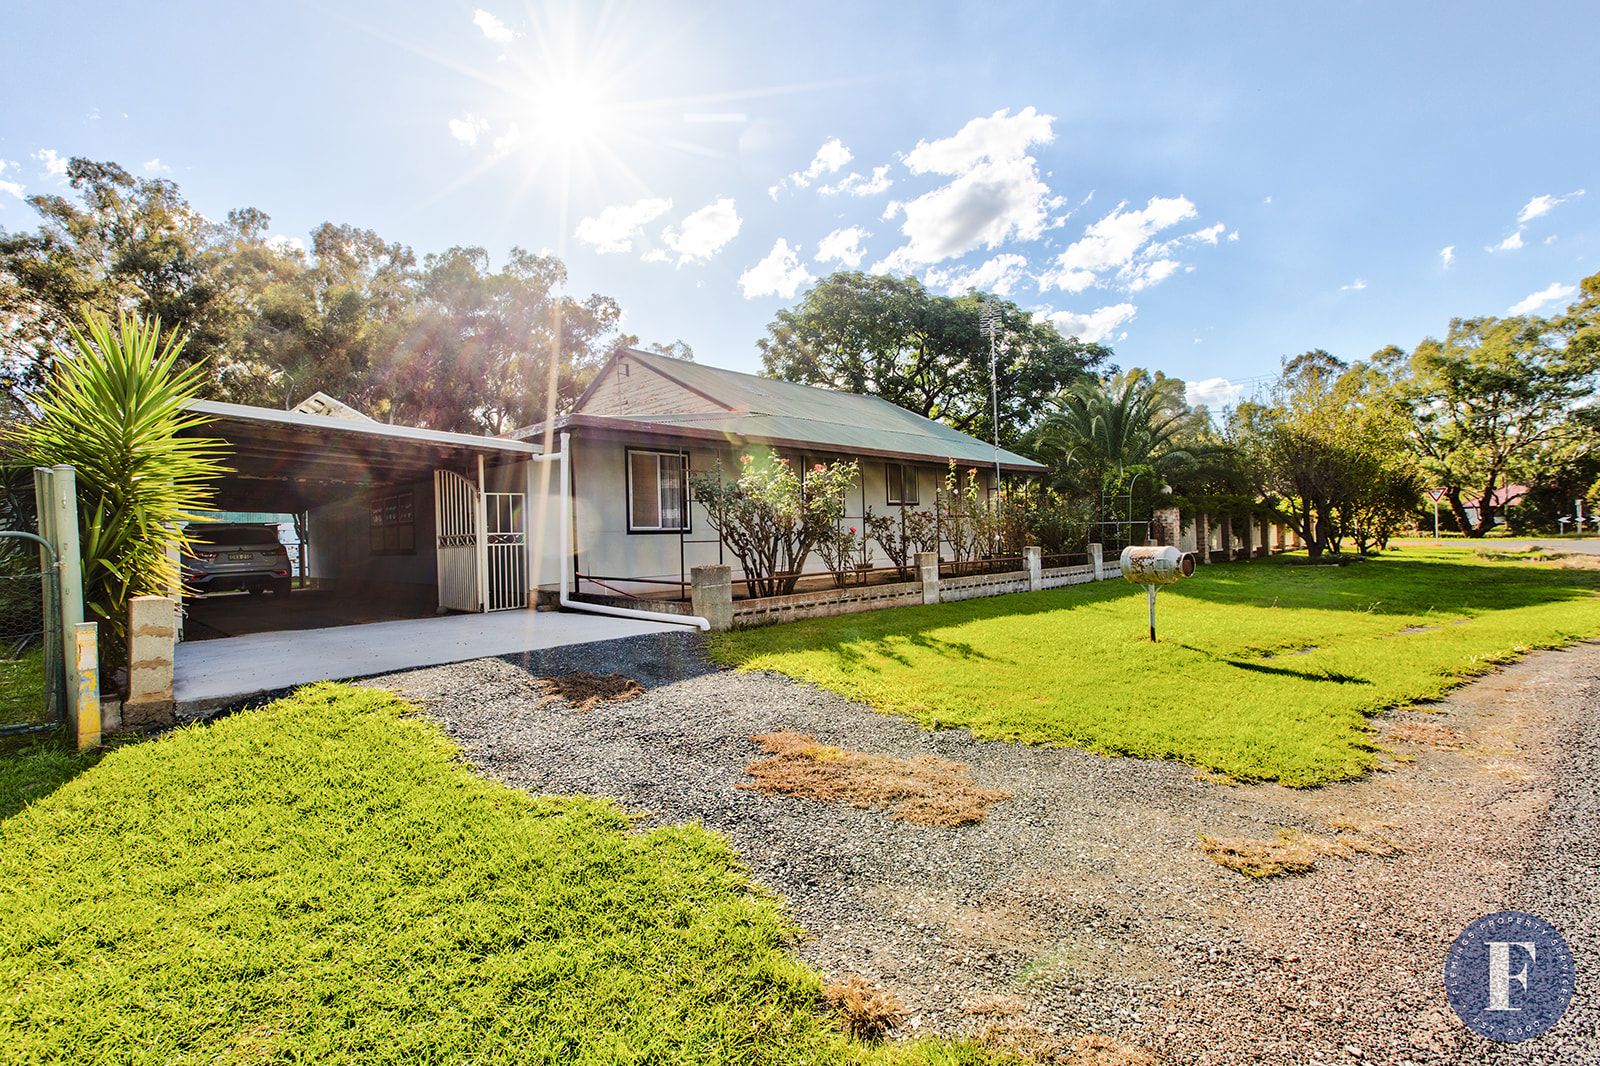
(771, 518)
(903, 535)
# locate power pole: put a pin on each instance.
(989, 320)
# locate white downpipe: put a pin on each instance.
(566, 561)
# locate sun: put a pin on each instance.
(571, 109)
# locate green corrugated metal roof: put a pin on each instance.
(783, 411)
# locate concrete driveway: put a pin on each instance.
(214, 673)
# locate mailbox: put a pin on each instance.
(1156, 565)
(1153, 567)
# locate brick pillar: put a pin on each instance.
(1166, 527)
(1225, 536)
(928, 574)
(1097, 560)
(152, 637)
(1247, 537)
(711, 595)
(1202, 537)
(1033, 562)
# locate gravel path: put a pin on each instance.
(1084, 905)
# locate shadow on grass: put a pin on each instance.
(1303, 675)
(33, 767)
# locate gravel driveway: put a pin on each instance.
(1084, 904)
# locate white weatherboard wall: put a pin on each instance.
(606, 548)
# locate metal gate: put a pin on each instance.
(457, 513)
(32, 696)
(507, 525)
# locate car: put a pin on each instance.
(227, 556)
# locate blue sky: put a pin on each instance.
(1204, 187)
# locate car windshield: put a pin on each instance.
(234, 536)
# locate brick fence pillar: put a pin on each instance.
(152, 638)
(1033, 562)
(1202, 537)
(1097, 560)
(1166, 526)
(928, 574)
(711, 594)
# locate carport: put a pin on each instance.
(398, 522)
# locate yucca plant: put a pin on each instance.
(115, 409)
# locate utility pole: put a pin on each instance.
(989, 320)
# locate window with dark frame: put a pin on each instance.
(658, 492)
(902, 484)
(392, 524)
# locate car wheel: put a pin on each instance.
(280, 588)
(256, 590)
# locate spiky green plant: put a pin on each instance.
(116, 409)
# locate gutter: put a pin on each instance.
(566, 555)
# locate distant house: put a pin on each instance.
(1500, 499)
(473, 522)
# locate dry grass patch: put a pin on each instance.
(925, 790)
(584, 691)
(1295, 852)
(866, 1011)
(1430, 734)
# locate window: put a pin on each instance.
(658, 492)
(902, 482)
(392, 526)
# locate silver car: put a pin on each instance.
(236, 556)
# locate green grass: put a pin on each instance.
(323, 880)
(1264, 671)
(22, 688)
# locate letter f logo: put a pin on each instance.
(1500, 975)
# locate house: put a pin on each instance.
(424, 520)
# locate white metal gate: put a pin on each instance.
(457, 514)
(506, 515)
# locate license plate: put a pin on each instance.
(238, 556)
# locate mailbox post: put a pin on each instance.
(1153, 567)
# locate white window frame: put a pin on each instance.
(682, 458)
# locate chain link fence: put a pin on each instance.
(31, 679)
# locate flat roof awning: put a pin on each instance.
(291, 460)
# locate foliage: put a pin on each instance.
(902, 534)
(450, 342)
(888, 336)
(116, 411)
(841, 551)
(324, 879)
(1056, 521)
(1494, 402)
(962, 515)
(771, 518)
(1265, 670)
(1330, 446)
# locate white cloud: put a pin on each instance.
(843, 246)
(829, 158)
(1120, 242)
(999, 275)
(1544, 204)
(54, 163)
(1511, 243)
(156, 166)
(996, 195)
(12, 187)
(1094, 326)
(1355, 286)
(999, 137)
(1447, 255)
(506, 141)
(616, 227)
(492, 27)
(1146, 274)
(779, 274)
(1209, 235)
(466, 128)
(1555, 292)
(705, 232)
(1233, 236)
(1215, 393)
(283, 243)
(853, 184)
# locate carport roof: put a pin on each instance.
(291, 460)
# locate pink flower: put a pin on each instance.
(816, 466)
(852, 529)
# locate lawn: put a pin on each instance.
(22, 688)
(323, 880)
(1267, 670)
